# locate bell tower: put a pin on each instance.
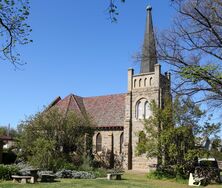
(144, 87)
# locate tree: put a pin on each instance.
(50, 139)
(6, 131)
(14, 30)
(150, 142)
(193, 46)
(171, 136)
(113, 9)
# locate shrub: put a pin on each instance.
(75, 174)
(43, 154)
(76, 159)
(64, 174)
(69, 166)
(100, 172)
(45, 172)
(86, 165)
(48, 140)
(83, 175)
(216, 154)
(96, 164)
(22, 165)
(159, 174)
(6, 171)
(167, 173)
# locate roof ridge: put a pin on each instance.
(53, 103)
(72, 94)
(67, 109)
(104, 95)
(77, 102)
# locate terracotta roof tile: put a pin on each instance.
(106, 111)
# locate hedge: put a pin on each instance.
(6, 171)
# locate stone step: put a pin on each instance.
(142, 163)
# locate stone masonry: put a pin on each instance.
(122, 114)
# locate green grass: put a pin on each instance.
(130, 180)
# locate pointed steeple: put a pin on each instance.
(149, 58)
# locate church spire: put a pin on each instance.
(149, 58)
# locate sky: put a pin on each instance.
(75, 49)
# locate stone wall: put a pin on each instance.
(143, 163)
(219, 164)
(151, 86)
(107, 140)
(140, 162)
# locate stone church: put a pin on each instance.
(119, 117)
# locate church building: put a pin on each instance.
(119, 117)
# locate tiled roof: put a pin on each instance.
(71, 103)
(106, 111)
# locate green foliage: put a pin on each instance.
(86, 165)
(161, 118)
(186, 112)
(44, 156)
(194, 72)
(209, 129)
(159, 174)
(177, 142)
(216, 154)
(69, 166)
(4, 131)
(50, 140)
(171, 135)
(100, 172)
(7, 170)
(192, 46)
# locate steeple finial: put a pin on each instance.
(149, 58)
(148, 8)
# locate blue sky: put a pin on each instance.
(75, 50)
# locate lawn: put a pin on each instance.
(133, 180)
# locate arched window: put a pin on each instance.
(98, 142)
(151, 79)
(145, 82)
(140, 81)
(142, 109)
(121, 143)
(139, 110)
(147, 111)
(135, 83)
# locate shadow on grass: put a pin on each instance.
(123, 179)
(55, 181)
